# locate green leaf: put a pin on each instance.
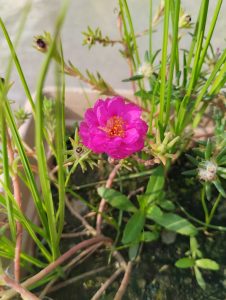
(208, 150)
(149, 236)
(221, 156)
(133, 78)
(167, 205)
(190, 172)
(144, 94)
(185, 262)
(133, 228)
(194, 245)
(206, 263)
(116, 199)
(133, 251)
(171, 221)
(219, 187)
(207, 186)
(155, 184)
(192, 160)
(199, 278)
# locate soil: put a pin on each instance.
(154, 275)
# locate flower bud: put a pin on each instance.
(184, 21)
(41, 44)
(207, 171)
(146, 70)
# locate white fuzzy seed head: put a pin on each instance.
(146, 70)
(207, 171)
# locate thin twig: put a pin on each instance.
(52, 266)
(79, 217)
(17, 196)
(117, 255)
(92, 231)
(82, 256)
(105, 285)
(125, 281)
(86, 253)
(25, 294)
(73, 234)
(103, 202)
(77, 278)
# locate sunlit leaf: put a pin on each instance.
(199, 278)
(185, 262)
(116, 199)
(134, 228)
(149, 236)
(171, 221)
(155, 184)
(206, 263)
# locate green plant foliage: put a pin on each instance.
(199, 278)
(208, 264)
(185, 262)
(171, 221)
(134, 228)
(116, 199)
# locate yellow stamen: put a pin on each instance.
(115, 127)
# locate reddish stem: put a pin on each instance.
(125, 281)
(106, 284)
(25, 294)
(52, 266)
(17, 196)
(103, 202)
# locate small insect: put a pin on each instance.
(40, 44)
(79, 149)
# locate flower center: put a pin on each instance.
(115, 127)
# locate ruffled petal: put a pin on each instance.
(132, 135)
(91, 118)
(116, 107)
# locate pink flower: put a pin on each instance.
(113, 127)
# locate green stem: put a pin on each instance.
(6, 172)
(122, 178)
(209, 35)
(164, 61)
(150, 31)
(60, 144)
(195, 71)
(212, 212)
(132, 31)
(39, 137)
(17, 64)
(220, 228)
(172, 60)
(205, 209)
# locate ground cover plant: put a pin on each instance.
(143, 177)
